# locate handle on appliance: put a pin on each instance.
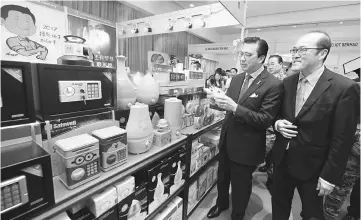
(73, 36)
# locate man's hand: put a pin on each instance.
(41, 57)
(285, 128)
(324, 188)
(225, 103)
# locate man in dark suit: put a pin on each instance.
(315, 130)
(252, 102)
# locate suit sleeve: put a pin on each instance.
(264, 117)
(344, 125)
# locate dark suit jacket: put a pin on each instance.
(326, 126)
(245, 130)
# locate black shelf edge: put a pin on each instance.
(202, 169)
(164, 204)
(204, 130)
(62, 206)
(201, 200)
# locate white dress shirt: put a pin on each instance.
(310, 84)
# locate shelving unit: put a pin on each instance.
(193, 134)
(201, 200)
(65, 198)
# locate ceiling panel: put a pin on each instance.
(259, 8)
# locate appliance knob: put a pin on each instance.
(77, 174)
(177, 133)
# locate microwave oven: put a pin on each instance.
(63, 91)
(17, 103)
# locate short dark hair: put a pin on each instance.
(218, 70)
(279, 58)
(234, 69)
(262, 49)
(6, 8)
(228, 71)
(324, 42)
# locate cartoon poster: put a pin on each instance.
(157, 58)
(99, 35)
(32, 31)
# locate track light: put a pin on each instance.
(147, 28)
(170, 26)
(135, 30)
(188, 23)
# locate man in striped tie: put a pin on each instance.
(315, 130)
(252, 102)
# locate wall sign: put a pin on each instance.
(32, 31)
(346, 44)
(100, 36)
(215, 48)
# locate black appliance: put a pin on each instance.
(26, 180)
(63, 91)
(17, 104)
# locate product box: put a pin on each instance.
(202, 185)
(160, 139)
(173, 210)
(158, 183)
(177, 170)
(103, 201)
(61, 216)
(192, 196)
(128, 207)
(64, 128)
(210, 180)
(142, 198)
(212, 137)
(205, 155)
(124, 188)
(193, 166)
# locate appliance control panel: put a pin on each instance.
(74, 91)
(14, 193)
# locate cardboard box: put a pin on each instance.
(192, 196)
(141, 196)
(127, 205)
(158, 183)
(202, 185)
(103, 201)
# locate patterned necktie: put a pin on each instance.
(245, 86)
(300, 96)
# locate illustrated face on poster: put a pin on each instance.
(29, 35)
(99, 37)
(157, 58)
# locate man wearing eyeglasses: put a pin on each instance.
(315, 130)
(252, 102)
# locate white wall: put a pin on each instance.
(226, 61)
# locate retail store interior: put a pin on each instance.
(108, 108)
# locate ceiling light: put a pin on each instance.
(258, 29)
(294, 26)
(341, 22)
(191, 5)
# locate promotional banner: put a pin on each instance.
(100, 36)
(32, 31)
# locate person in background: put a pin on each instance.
(218, 81)
(232, 72)
(314, 130)
(289, 70)
(252, 103)
(275, 63)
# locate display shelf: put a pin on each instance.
(198, 132)
(64, 198)
(201, 200)
(164, 204)
(202, 169)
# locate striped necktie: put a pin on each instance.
(245, 86)
(300, 96)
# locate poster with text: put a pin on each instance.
(157, 58)
(32, 31)
(100, 36)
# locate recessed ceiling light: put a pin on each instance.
(341, 22)
(258, 29)
(191, 5)
(294, 26)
